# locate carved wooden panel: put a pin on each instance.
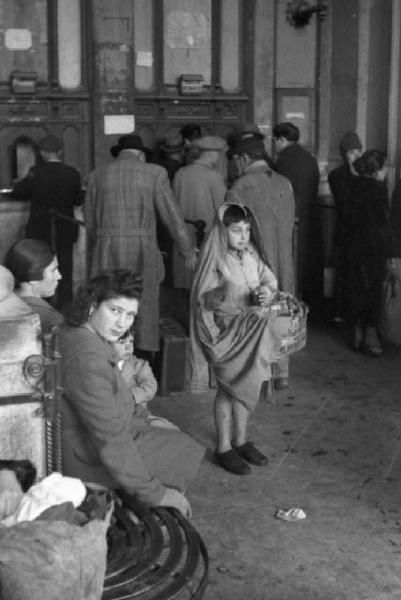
(33, 119)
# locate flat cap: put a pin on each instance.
(50, 143)
(210, 142)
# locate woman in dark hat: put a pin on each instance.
(339, 180)
(367, 248)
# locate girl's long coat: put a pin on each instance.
(120, 216)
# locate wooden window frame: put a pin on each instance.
(159, 88)
(51, 86)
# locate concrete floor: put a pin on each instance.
(334, 443)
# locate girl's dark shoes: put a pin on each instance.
(251, 454)
(232, 462)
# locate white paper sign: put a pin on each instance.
(119, 124)
(295, 115)
(144, 59)
(18, 39)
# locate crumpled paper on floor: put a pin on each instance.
(292, 514)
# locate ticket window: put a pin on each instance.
(24, 155)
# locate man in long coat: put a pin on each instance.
(301, 168)
(199, 189)
(270, 197)
(120, 215)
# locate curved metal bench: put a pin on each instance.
(158, 555)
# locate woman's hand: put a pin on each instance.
(176, 499)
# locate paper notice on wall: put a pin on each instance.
(144, 59)
(114, 124)
(18, 39)
(295, 115)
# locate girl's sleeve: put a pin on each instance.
(144, 385)
(266, 276)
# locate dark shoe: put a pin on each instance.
(251, 454)
(232, 462)
(281, 383)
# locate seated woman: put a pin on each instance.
(233, 326)
(104, 440)
(35, 268)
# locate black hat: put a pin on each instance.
(251, 130)
(132, 141)
(50, 143)
(350, 141)
(172, 143)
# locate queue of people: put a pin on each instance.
(241, 271)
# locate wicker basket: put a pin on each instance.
(290, 324)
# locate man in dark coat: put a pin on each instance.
(301, 168)
(53, 185)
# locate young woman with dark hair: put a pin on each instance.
(35, 268)
(104, 440)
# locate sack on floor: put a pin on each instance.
(391, 319)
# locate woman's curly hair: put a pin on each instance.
(111, 283)
(370, 162)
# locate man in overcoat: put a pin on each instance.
(199, 189)
(270, 197)
(121, 202)
(301, 168)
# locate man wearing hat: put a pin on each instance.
(171, 153)
(339, 180)
(299, 166)
(53, 185)
(199, 189)
(121, 203)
